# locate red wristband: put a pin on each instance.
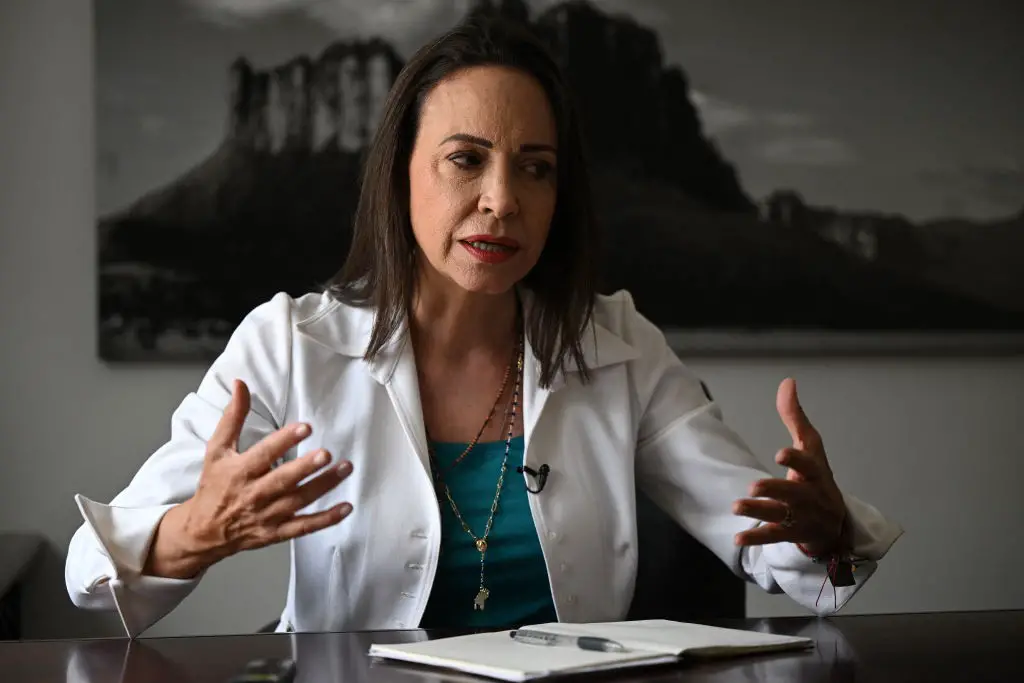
(839, 566)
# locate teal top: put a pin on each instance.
(514, 568)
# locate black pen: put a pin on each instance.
(534, 637)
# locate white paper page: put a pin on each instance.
(498, 656)
(673, 637)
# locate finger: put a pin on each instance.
(805, 464)
(765, 534)
(229, 426)
(275, 483)
(309, 492)
(789, 492)
(271, 448)
(793, 416)
(301, 525)
(764, 510)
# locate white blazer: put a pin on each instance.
(642, 420)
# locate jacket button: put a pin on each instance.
(552, 535)
(571, 599)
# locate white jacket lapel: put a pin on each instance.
(347, 330)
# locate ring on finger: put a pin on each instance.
(787, 521)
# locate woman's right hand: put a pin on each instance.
(242, 502)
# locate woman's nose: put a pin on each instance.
(498, 198)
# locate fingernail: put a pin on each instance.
(302, 430)
(345, 509)
(344, 467)
(322, 458)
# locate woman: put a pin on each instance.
(486, 415)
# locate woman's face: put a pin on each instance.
(482, 178)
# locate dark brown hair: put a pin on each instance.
(381, 268)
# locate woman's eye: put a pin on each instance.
(539, 169)
(465, 160)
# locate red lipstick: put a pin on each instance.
(489, 248)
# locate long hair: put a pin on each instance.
(381, 268)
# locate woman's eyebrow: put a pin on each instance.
(483, 142)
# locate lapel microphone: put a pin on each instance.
(541, 476)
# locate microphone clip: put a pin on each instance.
(540, 475)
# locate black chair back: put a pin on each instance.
(677, 577)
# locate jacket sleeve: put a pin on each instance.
(107, 553)
(695, 467)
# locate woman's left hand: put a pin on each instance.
(807, 506)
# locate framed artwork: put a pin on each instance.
(783, 177)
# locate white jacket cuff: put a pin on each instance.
(124, 536)
(782, 567)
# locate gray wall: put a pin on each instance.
(935, 443)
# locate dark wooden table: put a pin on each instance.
(968, 646)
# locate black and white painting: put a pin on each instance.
(760, 169)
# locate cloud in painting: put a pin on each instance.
(389, 19)
(997, 184)
(808, 151)
(404, 22)
(785, 119)
(720, 115)
(247, 9)
(780, 137)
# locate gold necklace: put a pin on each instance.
(494, 407)
(481, 541)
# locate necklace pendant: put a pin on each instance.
(481, 545)
(481, 598)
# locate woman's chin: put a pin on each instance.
(488, 284)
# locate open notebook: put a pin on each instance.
(497, 655)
